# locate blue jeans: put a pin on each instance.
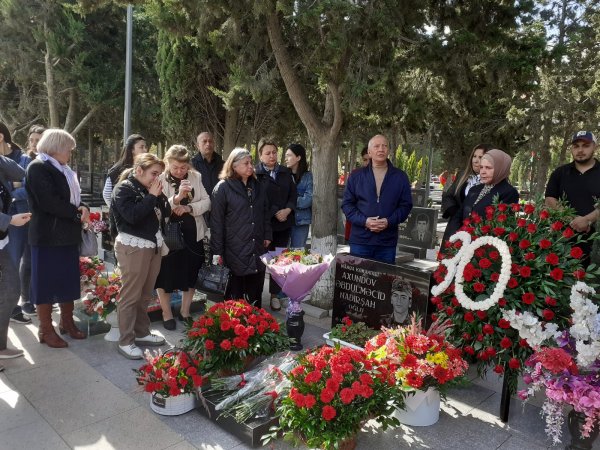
(299, 236)
(20, 253)
(383, 253)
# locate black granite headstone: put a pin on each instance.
(377, 293)
(419, 229)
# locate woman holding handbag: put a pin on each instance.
(189, 201)
(241, 226)
(139, 208)
(54, 199)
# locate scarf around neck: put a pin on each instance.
(70, 175)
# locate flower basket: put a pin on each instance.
(331, 341)
(172, 406)
(350, 334)
(421, 409)
(230, 332)
(333, 392)
(172, 378)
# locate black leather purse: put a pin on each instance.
(213, 279)
(173, 236)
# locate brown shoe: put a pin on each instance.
(67, 324)
(46, 333)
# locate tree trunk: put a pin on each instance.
(50, 92)
(325, 216)
(230, 132)
(324, 136)
(85, 120)
(70, 119)
(544, 159)
(562, 156)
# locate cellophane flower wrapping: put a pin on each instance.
(296, 272)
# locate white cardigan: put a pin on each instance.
(200, 203)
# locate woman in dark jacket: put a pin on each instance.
(241, 226)
(281, 192)
(10, 171)
(454, 196)
(139, 208)
(295, 159)
(493, 172)
(54, 198)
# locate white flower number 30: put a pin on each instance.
(456, 267)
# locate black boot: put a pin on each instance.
(295, 328)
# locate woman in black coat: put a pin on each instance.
(493, 172)
(282, 194)
(454, 196)
(54, 198)
(241, 226)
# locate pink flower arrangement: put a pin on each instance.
(554, 369)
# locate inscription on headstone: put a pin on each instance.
(377, 293)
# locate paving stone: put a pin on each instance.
(32, 436)
(40, 382)
(15, 411)
(142, 430)
(84, 406)
(515, 443)
(183, 445)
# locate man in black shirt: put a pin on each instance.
(579, 183)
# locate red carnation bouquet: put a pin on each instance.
(171, 373)
(90, 268)
(232, 332)
(507, 276)
(97, 225)
(333, 391)
(423, 359)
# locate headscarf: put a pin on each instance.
(501, 163)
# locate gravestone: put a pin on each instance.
(419, 229)
(419, 197)
(377, 293)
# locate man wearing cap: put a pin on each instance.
(579, 183)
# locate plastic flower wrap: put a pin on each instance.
(232, 331)
(357, 333)
(97, 225)
(504, 282)
(171, 373)
(104, 296)
(423, 360)
(296, 272)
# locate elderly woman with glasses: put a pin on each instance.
(241, 226)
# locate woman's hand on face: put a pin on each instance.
(18, 220)
(85, 214)
(266, 243)
(155, 188)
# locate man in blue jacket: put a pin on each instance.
(377, 199)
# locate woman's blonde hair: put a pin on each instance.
(177, 153)
(236, 155)
(144, 162)
(54, 141)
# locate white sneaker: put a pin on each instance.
(131, 351)
(151, 340)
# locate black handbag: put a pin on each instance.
(173, 236)
(213, 279)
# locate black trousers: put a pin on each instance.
(280, 239)
(249, 287)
